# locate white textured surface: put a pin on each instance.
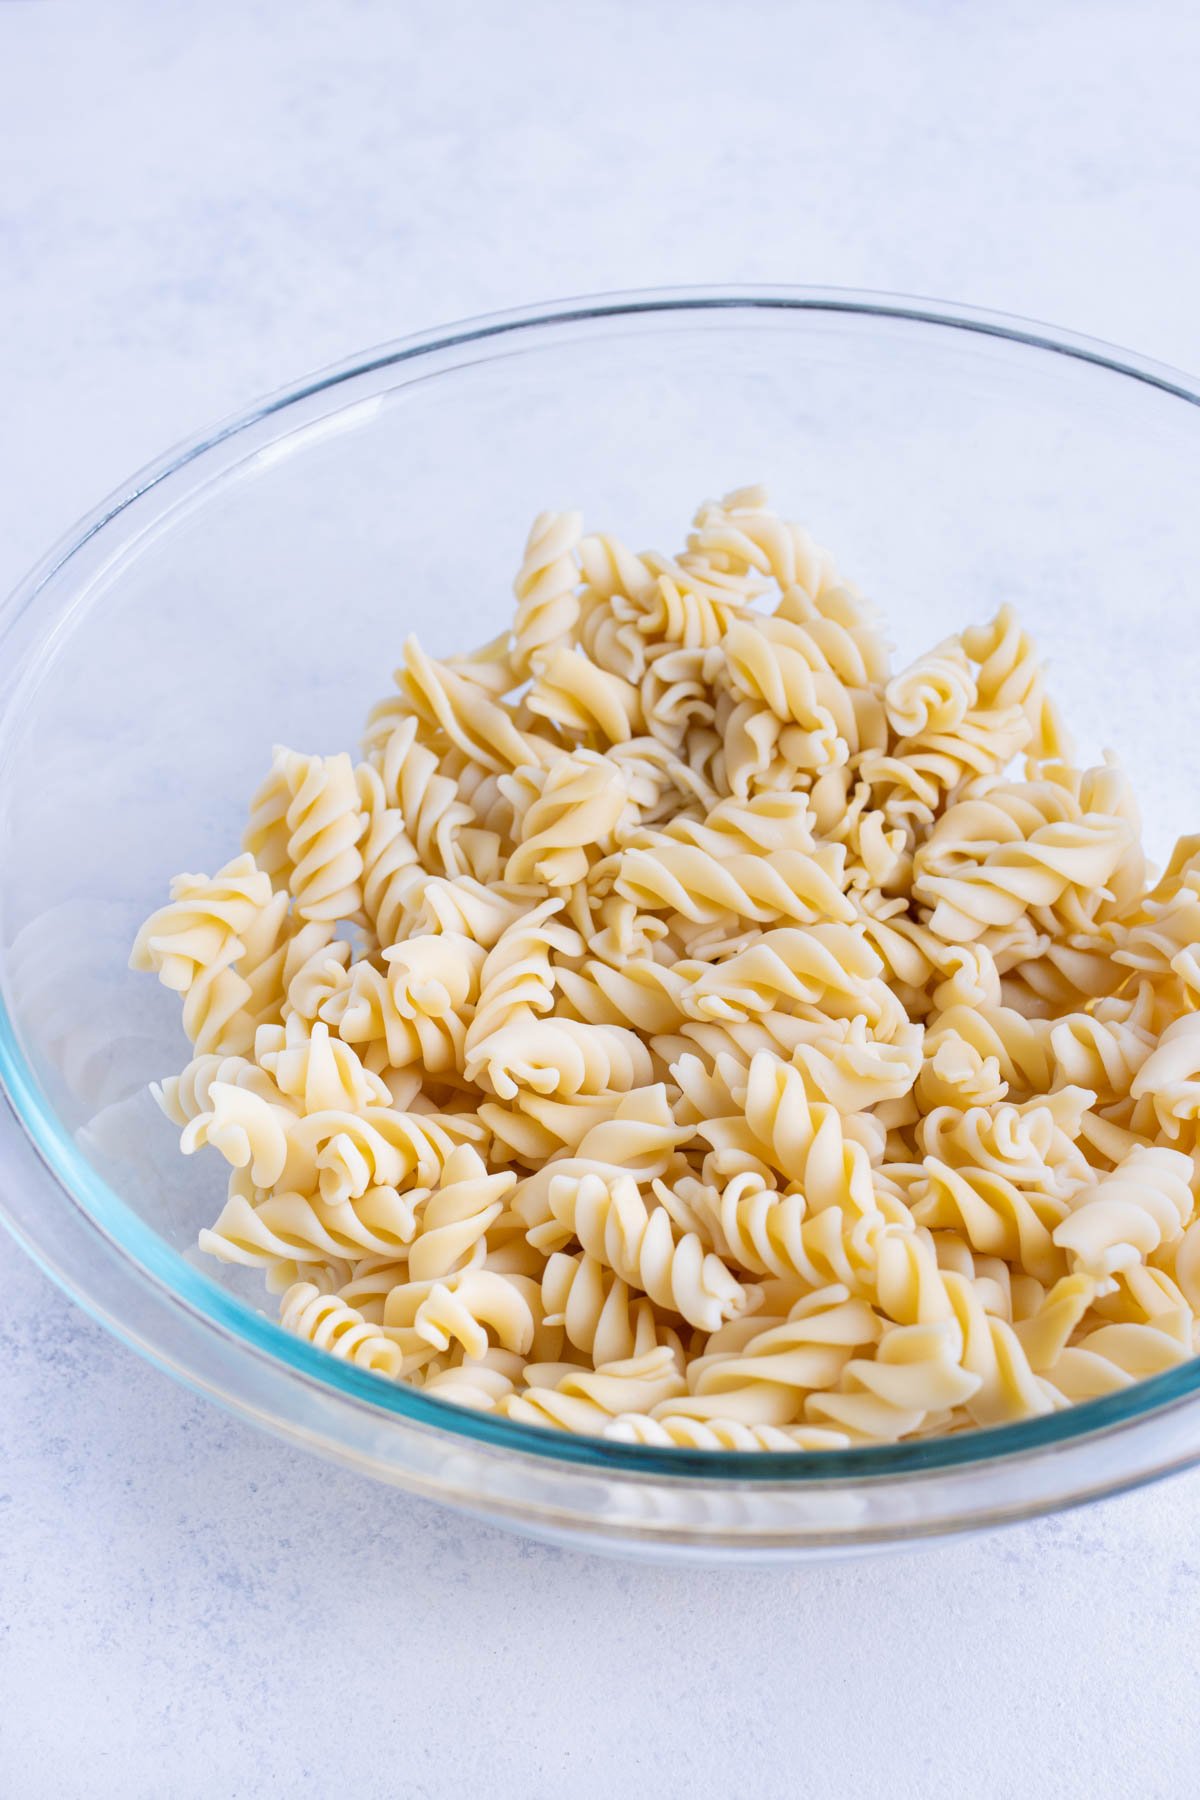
(197, 204)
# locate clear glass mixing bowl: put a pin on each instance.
(255, 586)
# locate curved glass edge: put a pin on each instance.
(579, 309)
(181, 1284)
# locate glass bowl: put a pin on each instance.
(255, 586)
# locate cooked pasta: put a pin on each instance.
(681, 1027)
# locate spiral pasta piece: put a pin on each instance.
(186, 1096)
(1181, 1258)
(564, 1057)
(1017, 1049)
(194, 943)
(768, 1232)
(1010, 673)
(331, 1325)
(251, 1131)
(719, 1434)
(610, 569)
(1120, 1219)
(479, 1383)
(1033, 1143)
(637, 1134)
(307, 1230)
(600, 1313)
(913, 1291)
(912, 782)
(574, 694)
(516, 988)
(806, 1141)
(1113, 1357)
(545, 587)
(466, 907)
(324, 824)
(344, 1153)
(690, 604)
(315, 967)
(477, 725)
(393, 876)
(661, 873)
(226, 1004)
(767, 1382)
(580, 800)
(457, 1215)
(740, 533)
(935, 693)
(479, 1302)
(430, 804)
(1169, 1080)
(410, 1013)
(1092, 1052)
(997, 1216)
(640, 992)
(613, 1223)
(772, 665)
(989, 860)
(916, 1371)
(316, 1070)
(585, 1400)
(673, 700)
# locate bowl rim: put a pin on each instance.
(180, 1285)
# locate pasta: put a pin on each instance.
(681, 1026)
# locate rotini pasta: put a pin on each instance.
(546, 587)
(194, 944)
(683, 1028)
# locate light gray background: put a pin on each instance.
(197, 204)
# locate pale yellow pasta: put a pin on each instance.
(741, 533)
(684, 1028)
(306, 1229)
(1117, 1221)
(995, 1214)
(576, 695)
(769, 1232)
(332, 1325)
(1113, 1357)
(1169, 1079)
(315, 1069)
(662, 873)
(1014, 850)
(315, 968)
(546, 587)
(324, 823)
(480, 1303)
(916, 1371)
(393, 875)
(479, 1382)
(584, 1400)
(456, 1218)
(431, 808)
(600, 1313)
(719, 1434)
(194, 943)
(401, 1022)
(933, 694)
(766, 1381)
(185, 1096)
(611, 1220)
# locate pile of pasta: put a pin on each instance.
(681, 1029)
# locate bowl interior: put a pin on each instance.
(260, 592)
